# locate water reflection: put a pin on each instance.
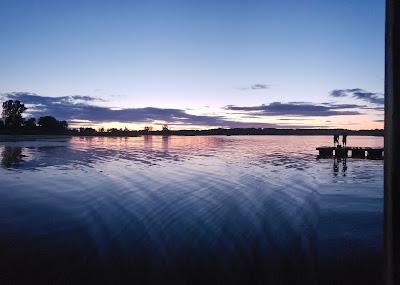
(339, 162)
(165, 143)
(11, 156)
(148, 142)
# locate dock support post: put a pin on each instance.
(392, 142)
(341, 152)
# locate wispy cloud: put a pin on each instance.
(298, 109)
(260, 86)
(370, 97)
(257, 86)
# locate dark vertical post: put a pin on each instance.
(392, 143)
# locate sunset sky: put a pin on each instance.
(196, 63)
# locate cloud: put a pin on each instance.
(77, 108)
(32, 98)
(257, 86)
(344, 106)
(370, 97)
(294, 119)
(298, 109)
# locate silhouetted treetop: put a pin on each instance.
(52, 124)
(12, 114)
(30, 123)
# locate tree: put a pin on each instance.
(30, 124)
(147, 129)
(63, 125)
(12, 113)
(1, 124)
(50, 123)
(165, 130)
(87, 131)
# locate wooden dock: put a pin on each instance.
(357, 152)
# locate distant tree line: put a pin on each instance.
(13, 122)
(109, 132)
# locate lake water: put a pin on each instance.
(188, 210)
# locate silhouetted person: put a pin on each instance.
(344, 140)
(335, 140)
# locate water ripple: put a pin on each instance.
(205, 209)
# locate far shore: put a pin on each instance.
(210, 132)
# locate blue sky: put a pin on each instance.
(221, 60)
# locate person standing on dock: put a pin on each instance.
(335, 140)
(344, 140)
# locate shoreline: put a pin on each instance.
(175, 135)
(210, 132)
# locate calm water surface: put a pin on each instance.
(239, 210)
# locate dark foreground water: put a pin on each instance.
(192, 210)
